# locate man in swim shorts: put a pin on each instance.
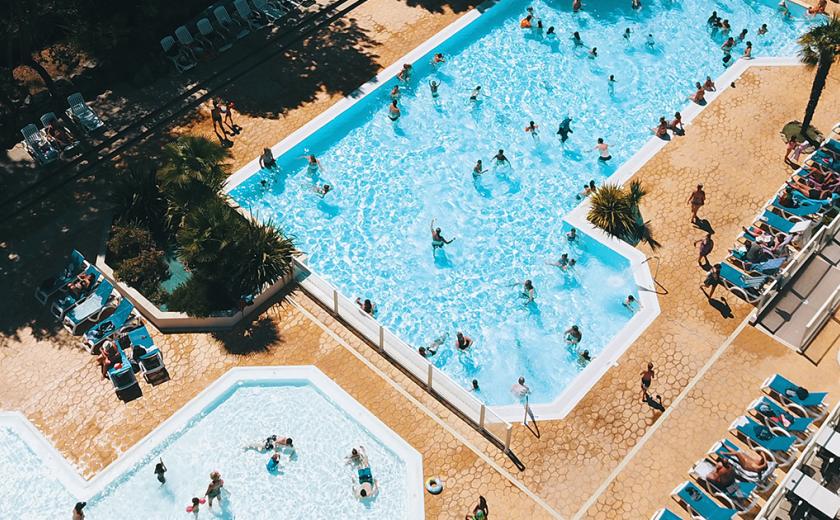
(438, 240)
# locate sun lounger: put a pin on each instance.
(741, 284)
(185, 38)
(757, 435)
(699, 504)
(736, 496)
(67, 299)
(93, 339)
(74, 265)
(213, 37)
(250, 18)
(808, 404)
(779, 223)
(151, 363)
(775, 417)
(91, 308)
(826, 160)
(38, 146)
(228, 25)
(82, 114)
(805, 208)
(122, 374)
(765, 480)
(272, 12)
(180, 56)
(665, 514)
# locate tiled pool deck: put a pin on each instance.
(609, 458)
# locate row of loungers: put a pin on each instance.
(776, 425)
(54, 140)
(185, 49)
(784, 226)
(80, 305)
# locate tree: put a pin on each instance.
(264, 258)
(616, 211)
(819, 47)
(138, 198)
(209, 240)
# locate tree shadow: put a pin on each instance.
(255, 336)
(440, 6)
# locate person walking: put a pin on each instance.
(712, 281)
(704, 247)
(647, 379)
(696, 200)
(216, 115)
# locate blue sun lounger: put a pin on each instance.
(759, 436)
(67, 299)
(91, 308)
(785, 391)
(741, 284)
(665, 514)
(74, 265)
(765, 480)
(92, 339)
(765, 409)
(699, 503)
(122, 376)
(780, 223)
(826, 160)
(736, 496)
(805, 208)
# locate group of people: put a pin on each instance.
(221, 113)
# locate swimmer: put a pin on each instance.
(742, 35)
(603, 150)
(433, 86)
(571, 235)
(588, 189)
(475, 387)
(725, 27)
(532, 129)
(563, 262)
(267, 160)
(630, 303)
(539, 26)
(550, 32)
(160, 470)
(528, 291)
(475, 93)
(573, 335)
(322, 191)
(478, 170)
(438, 240)
(433, 347)
(611, 84)
(565, 129)
(783, 8)
(393, 111)
(501, 159)
(576, 6)
(462, 341)
(313, 165)
(405, 74)
(520, 389)
(748, 51)
(576, 39)
(709, 85)
(438, 59)
(357, 457)
(714, 19)
(367, 306)
(395, 92)
(762, 30)
(263, 446)
(728, 44)
(273, 463)
(584, 357)
(525, 23)
(593, 53)
(649, 41)
(627, 33)
(636, 4)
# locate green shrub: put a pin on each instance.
(128, 241)
(199, 297)
(145, 272)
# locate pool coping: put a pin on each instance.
(83, 489)
(561, 405)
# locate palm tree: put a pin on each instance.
(139, 199)
(264, 258)
(208, 240)
(818, 48)
(612, 211)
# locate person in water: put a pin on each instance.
(603, 150)
(438, 59)
(214, 489)
(462, 341)
(433, 347)
(593, 53)
(322, 190)
(571, 236)
(564, 262)
(762, 30)
(573, 335)
(565, 129)
(630, 303)
(433, 86)
(526, 23)
(501, 160)
(394, 111)
(714, 19)
(576, 39)
(395, 92)
(438, 240)
(313, 165)
(405, 74)
(160, 470)
(576, 6)
(709, 84)
(267, 160)
(475, 93)
(478, 170)
(367, 306)
(627, 33)
(532, 129)
(528, 291)
(520, 389)
(649, 41)
(611, 84)
(273, 463)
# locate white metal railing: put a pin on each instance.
(822, 237)
(406, 356)
(815, 324)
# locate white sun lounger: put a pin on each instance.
(181, 57)
(230, 26)
(82, 114)
(38, 145)
(212, 36)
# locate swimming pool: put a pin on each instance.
(370, 235)
(315, 483)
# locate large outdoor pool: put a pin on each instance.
(314, 484)
(370, 235)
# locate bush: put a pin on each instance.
(145, 272)
(199, 297)
(128, 241)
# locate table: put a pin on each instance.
(829, 439)
(813, 493)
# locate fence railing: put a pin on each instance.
(815, 324)
(387, 343)
(819, 240)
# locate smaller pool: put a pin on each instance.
(314, 483)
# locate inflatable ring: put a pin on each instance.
(434, 485)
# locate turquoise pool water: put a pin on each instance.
(314, 484)
(370, 235)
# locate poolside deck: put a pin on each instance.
(610, 458)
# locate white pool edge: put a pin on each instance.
(82, 489)
(649, 303)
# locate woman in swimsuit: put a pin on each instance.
(661, 131)
(576, 39)
(748, 51)
(762, 30)
(576, 6)
(463, 342)
(704, 247)
(214, 490)
(395, 92)
(405, 74)
(367, 306)
(313, 165)
(433, 86)
(699, 96)
(709, 85)
(438, 241)
(267, 159)
(393, 111)
(696, 200)
(475, 93)
(528, 291)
